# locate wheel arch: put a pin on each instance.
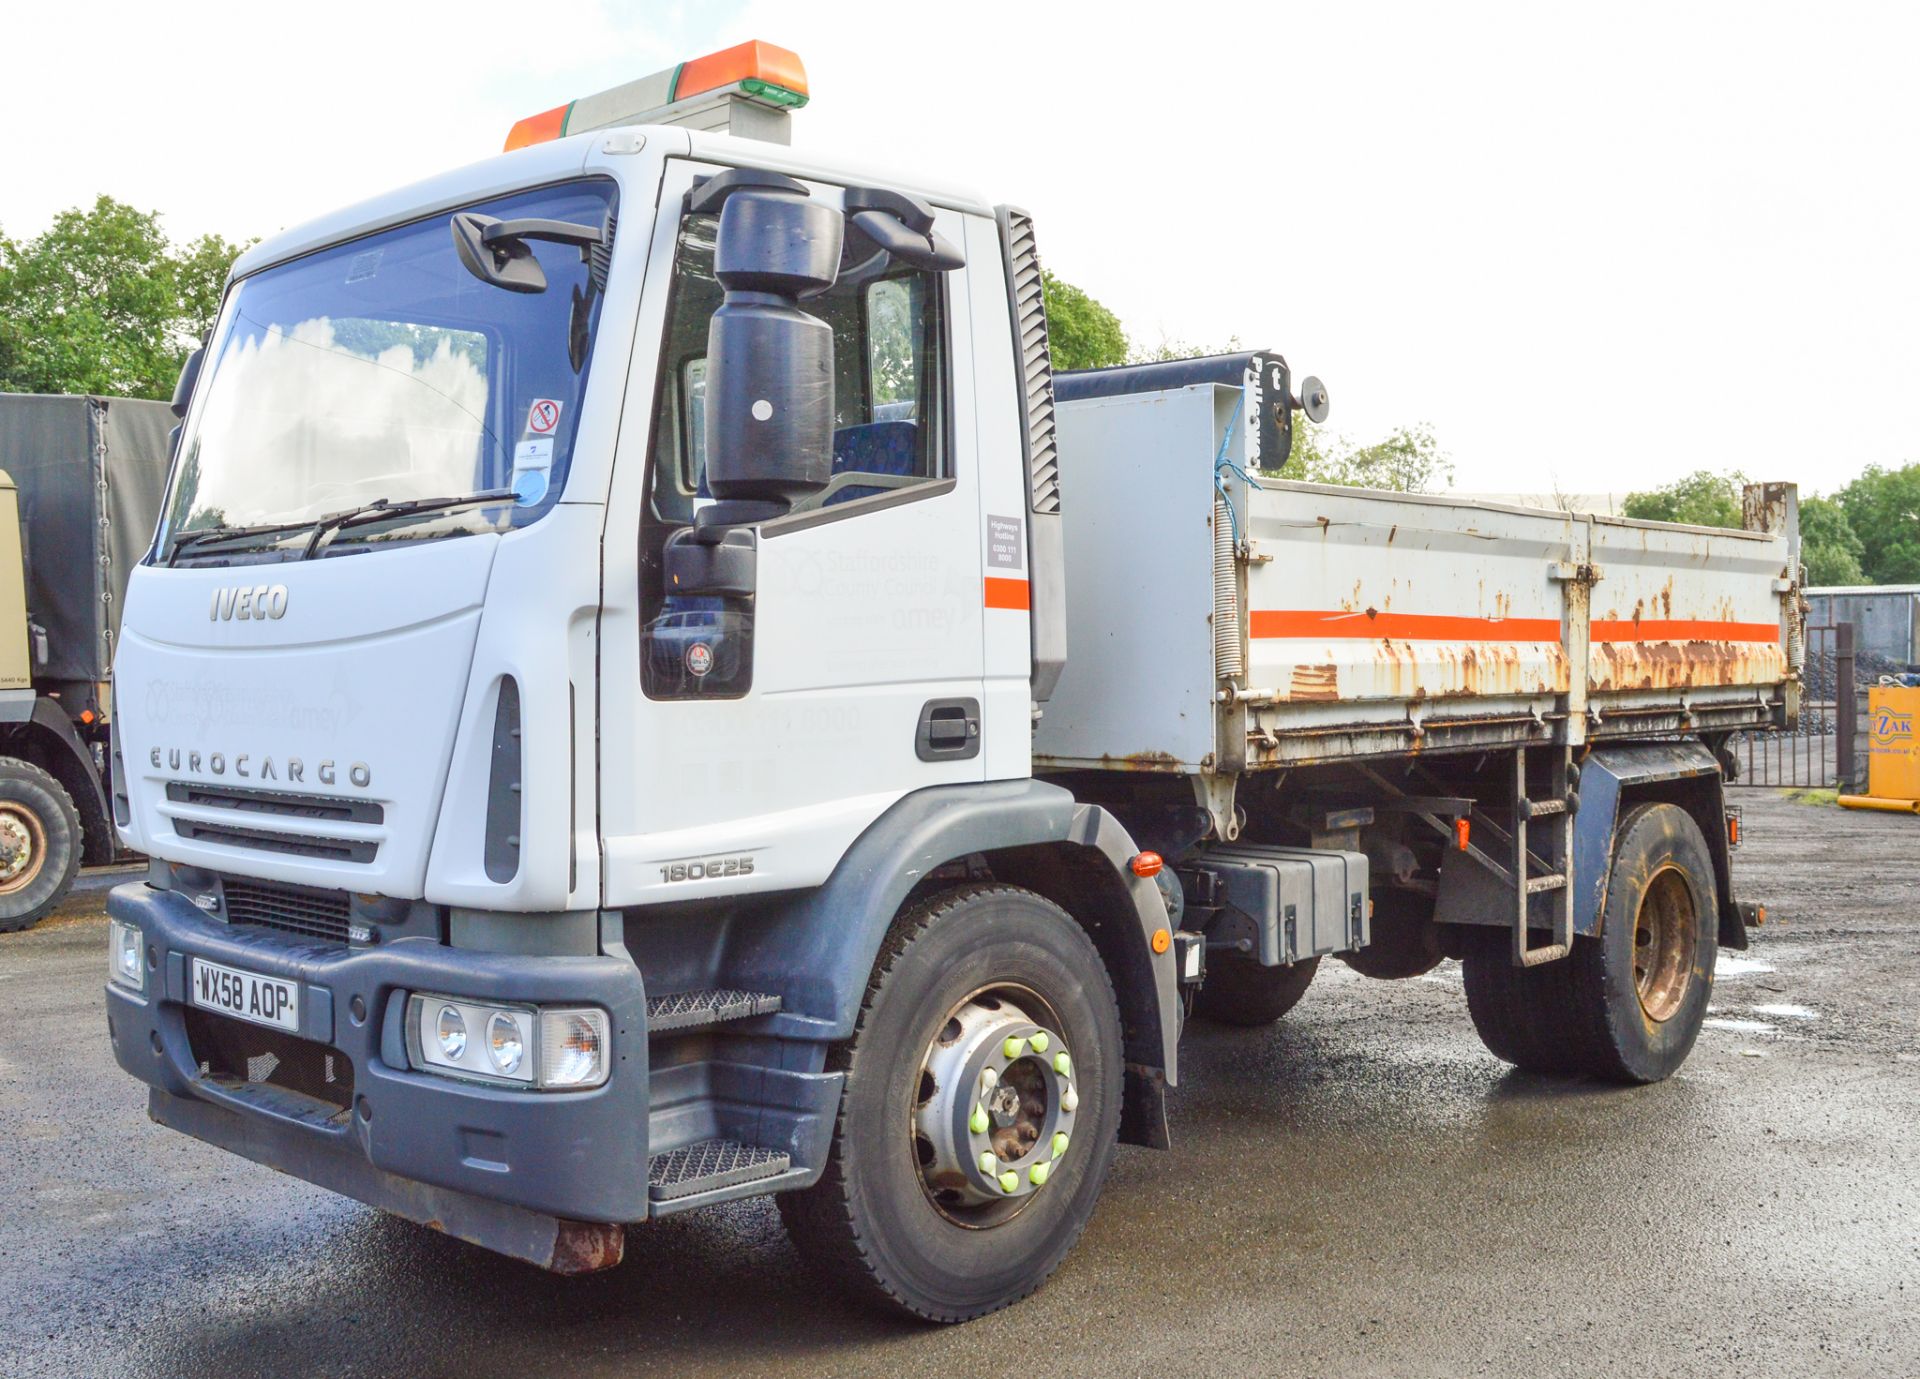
(1614, 779)
(47, 739)
(818, 948)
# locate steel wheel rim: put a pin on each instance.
(23, 846)
(1664, 932)
(1033, 1096)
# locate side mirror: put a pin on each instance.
(769, 364)
(189, 375)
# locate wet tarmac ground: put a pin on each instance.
(1361, 1190)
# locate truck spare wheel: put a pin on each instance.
(1627, 1004)
(39, 843)
(1239, 991)
(981, 1109)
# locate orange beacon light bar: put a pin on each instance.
(746, 89)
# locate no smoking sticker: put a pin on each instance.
(543, 416)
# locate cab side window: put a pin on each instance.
(889, 413)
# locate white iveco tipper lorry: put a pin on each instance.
(647, 692)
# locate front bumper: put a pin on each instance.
(507, 1168)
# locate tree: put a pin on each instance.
(1409, 460)
(1702, 498)
(1829, 547)
(102, 302)
(1883, 508)
(1834, 545)
(1081, 333)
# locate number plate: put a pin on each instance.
(246, 995)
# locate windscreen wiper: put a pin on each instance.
(330, 525)
(206, 534)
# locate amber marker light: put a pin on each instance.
(1147, 864)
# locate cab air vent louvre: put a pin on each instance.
(1035, 363)
(301, 910)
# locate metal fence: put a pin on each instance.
(1823, 750)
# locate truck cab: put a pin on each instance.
(548, 863)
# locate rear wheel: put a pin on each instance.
(1239, 991)
(1627, 1004)
(39, 843)
(980, 1113)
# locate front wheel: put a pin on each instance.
(39, 843)
(980, 1113)
(1626, 1005)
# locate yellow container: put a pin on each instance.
(1893, 750)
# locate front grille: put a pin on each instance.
(302, 910)
(286, 803)
(235, 1052)
(269, 840)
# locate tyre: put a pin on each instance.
(1239, 991)
(1626, 1005)
(1404, 942)
(980, 1114)
(40, 844)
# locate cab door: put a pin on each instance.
(747, 753)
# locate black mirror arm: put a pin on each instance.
(922, 249)
(583, 237)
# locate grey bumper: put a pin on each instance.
(513, 1170)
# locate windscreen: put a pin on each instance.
(382, 378)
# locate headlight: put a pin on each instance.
(452, 1032)
(125, 963)
(506, 1045)
(559, 1050)
(573, 1048)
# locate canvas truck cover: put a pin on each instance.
(91, 472)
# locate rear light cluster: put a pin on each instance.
(529, 1046)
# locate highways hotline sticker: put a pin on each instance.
(543, 417)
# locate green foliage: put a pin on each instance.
(1081, 333)
(102, 302)
(1829, 547)
(1883, 508)
(1409, 460)
(1702, 498)
(1867, 533)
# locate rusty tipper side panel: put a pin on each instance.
(1372, 623)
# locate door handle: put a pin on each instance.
(949, 730)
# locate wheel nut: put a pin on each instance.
(1039, 1041)
(988, 1162)
(1038, 1173)
(1009, 1181)
(1059, 1143)
(1063, 1064)
(1069, 1099)
(977, 1122)
(988, 1079)
(1013, 1048)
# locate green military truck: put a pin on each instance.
(80, 485)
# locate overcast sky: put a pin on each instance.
(1594, 248)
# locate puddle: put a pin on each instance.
(1733, 965)
(1784, 1010)
(1738, 1026)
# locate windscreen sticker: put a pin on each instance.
(363, 266)
(543, 417)
(534, 454)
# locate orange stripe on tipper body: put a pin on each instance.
(1306, 624)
